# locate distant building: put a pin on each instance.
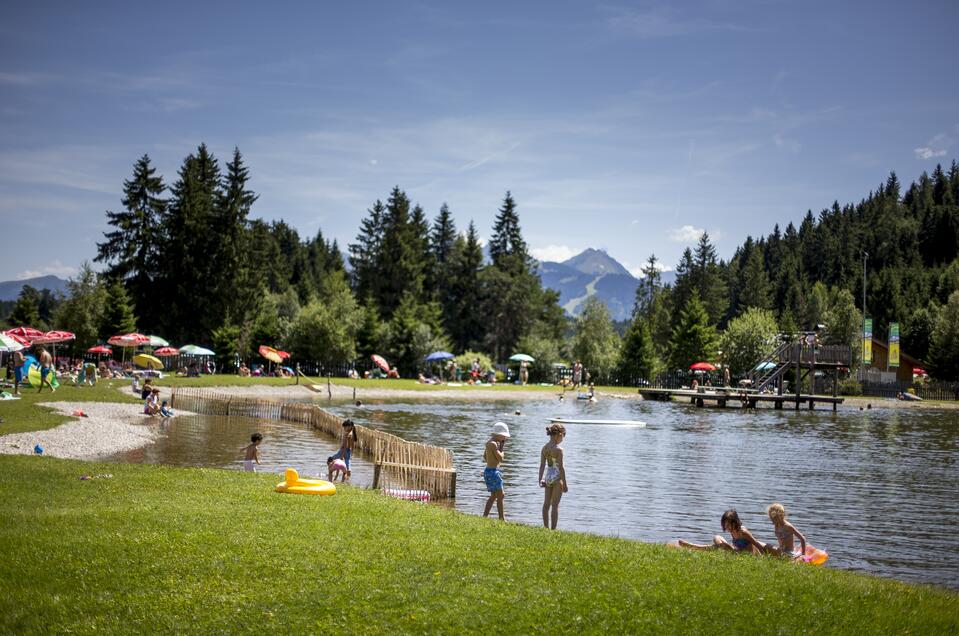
(878, 370)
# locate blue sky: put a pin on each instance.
(624, 126)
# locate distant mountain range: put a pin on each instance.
(10, 290)
(591, 272)
(594, 272)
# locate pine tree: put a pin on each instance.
(443, 235)
(694, 338)
(685, 286)
(755, 287)
(708, 279)
(26, 311)
(365, 252)
(400, 266)
(647, 289)
(233, 204)
(133, 249)
(637, 357)
(187, 289)
(117, 314)
(507, 249)
(462, 306)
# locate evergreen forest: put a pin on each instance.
(188, 260)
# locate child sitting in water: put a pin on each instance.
(743, 540)
(251, 454)
(165, 410)
(786, 534)
(336, 465)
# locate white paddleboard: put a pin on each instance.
(633, 423)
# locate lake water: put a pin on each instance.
(876, 489)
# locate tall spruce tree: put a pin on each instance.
(400, 265)
(637, 356)
(462, 310)
(186, 288)
(132, 250)
(117, 316)
(365, 252)
(694, 337)
(708, 279)
(227, 262)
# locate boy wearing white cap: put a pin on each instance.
(492, 475)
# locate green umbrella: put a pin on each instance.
(521, 357)
(157, 341)
(193, 350)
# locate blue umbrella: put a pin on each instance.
(765, 366)
(439, 355)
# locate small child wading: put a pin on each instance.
(554, 482)
(743, 540)
(347, 443)
(251, 454)
(493, 476)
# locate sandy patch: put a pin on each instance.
(108, 428)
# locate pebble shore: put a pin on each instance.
(109, 428)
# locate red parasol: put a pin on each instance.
(701, 366)
(100, 349)
(129, 340)
(918, 371)
(270, 354)
(283, 354)
(166, 351)
(380, 362)
(53, 337)
(25, 334)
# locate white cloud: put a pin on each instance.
(785, 143)
(56, 268)
(686, 234)
(554, 253)
(935, 147)
(928, 153)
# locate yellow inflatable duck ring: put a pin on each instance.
(297, 486)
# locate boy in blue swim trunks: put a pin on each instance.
(493, 476)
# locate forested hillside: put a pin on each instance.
(187, 261)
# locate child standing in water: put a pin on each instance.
(743, 540)
(347, 443)
(493, 476)
(251, 454)
(554, 482)
(786, 534)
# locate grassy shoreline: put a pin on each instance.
(159, 549)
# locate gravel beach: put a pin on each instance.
(108, 428)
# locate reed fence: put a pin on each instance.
(398, 463)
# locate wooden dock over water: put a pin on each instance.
(721, 397)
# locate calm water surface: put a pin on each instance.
(877, 489)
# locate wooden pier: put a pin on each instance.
(722, 397)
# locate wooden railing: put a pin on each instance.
(398, 463)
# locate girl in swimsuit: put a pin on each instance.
(743, 540)
(554, 482)
(786, 534)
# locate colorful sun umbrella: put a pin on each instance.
(283, 354)
(100, 349)
(29, 334)
(129, 340)
(9, 343)
(521, 357)
(157, 341)
(270, 354)
(167, 351)
(380, 361)
(147, 361)
(194, 350)
(436, 356)
(701, 366)
(54, 337)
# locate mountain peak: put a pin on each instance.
(596, 262)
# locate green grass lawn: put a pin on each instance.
(157, 549)
(209, 381)
(23, 415)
